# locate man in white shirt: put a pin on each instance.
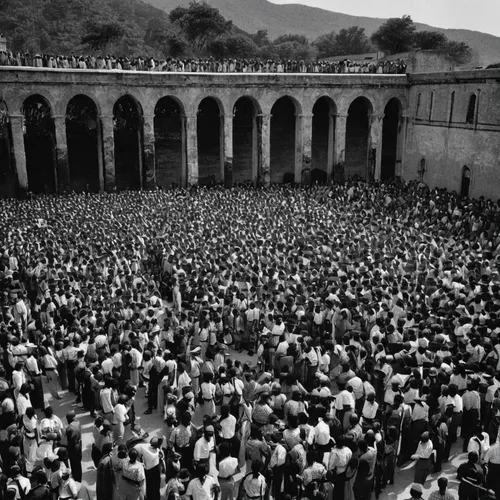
(228, 467)
(322, 432)
(205, 447)
(152, 457)
(277, 463)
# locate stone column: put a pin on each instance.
(401, 147)
(17, 129)
(375, 145)
(304, 148)
(330, 157)
(100, 154)
(264, 173)
(63, 178)
(149, 158)
(192, 149)
(227, 126)
(255, 149)
(339, 146)
(183, 151)
(108, 147)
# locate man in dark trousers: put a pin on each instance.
(471, 477)
(152, 458)
(74, 437)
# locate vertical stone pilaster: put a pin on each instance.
(108, 147)
(63, 176)
(17, 129)
(255, 149)
(227, 126)
(192, 149)
(183, 151)
(149, 158)
(264, 174)
(100, 154)
(330, 158)
(340, 144)
(401, 147)
(375, 145)
(305, 145)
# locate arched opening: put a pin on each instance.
(169, 151)
(357, 135)
(209, 143)
(283, 137)
(323, 129)
(390, 136)
(8, 180)
(82, 138)
(466, 181)
(245, 136)
(39, 145)
(127, 120)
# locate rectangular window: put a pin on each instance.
(431, 105)
(419, 99)
(471, 110)
(452, 103)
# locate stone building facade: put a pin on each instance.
(143, 130)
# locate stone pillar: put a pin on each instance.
(100, 154)
(63, 178)
(339, 146)
(264, 173)
(149, 158)
(255, 149)
(17, 129)
(375, 145)
(183, 151)
(305, 148)
(192, 149)
(227, 127)
(108, 147)
(401, 146)
(330, 153)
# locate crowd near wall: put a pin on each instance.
(66, 130)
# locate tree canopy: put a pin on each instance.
(395, 35)
(352, 40)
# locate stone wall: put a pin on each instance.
(441, 132)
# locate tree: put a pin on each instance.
(429, 40)
(99, 35)
(236, 46)
(200, 23)
(459, 52)
(301, 39)
(326, 44)
(352, 40)
(260, 38)
(395, 35)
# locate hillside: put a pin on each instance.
(253, 15)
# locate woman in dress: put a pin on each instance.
(133, 477)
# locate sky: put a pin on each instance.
(478, 15)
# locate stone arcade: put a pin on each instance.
(100, 130)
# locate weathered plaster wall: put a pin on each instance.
(441, 135)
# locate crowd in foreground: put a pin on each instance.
(205, 65)
(372, 311)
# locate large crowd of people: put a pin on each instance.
(367, 315)
(205, 65)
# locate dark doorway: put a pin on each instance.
(209, 143)
(390, 134)
(283, 141)
(357, 134)
(8, 180)
(322, 139)
(127, 119)
(244, 140)
(39, 145)
(466, 180)
(82, 138)
(170, 157)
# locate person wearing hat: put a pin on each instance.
(471, 476)
(204, 448)
(416, 491)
